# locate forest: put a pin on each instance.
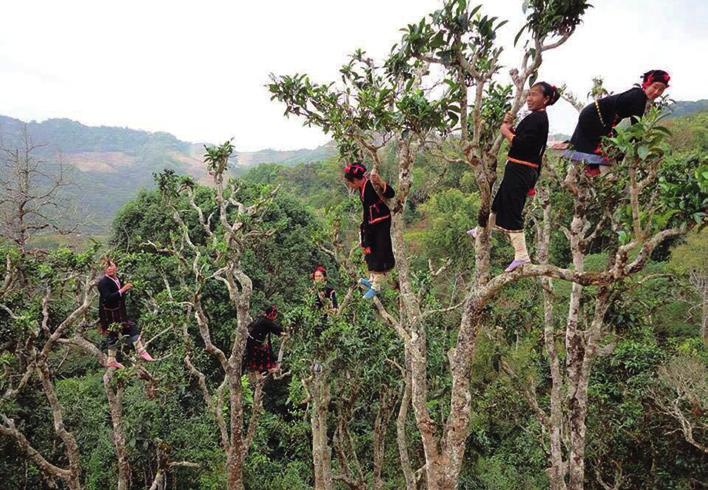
(586, 368)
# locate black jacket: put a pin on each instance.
(261, 328)
(375, 209)
(597, 119)
(111, 304)
(530, 138)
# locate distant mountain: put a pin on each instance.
(110, 164)
(685, 107)
(248, 159)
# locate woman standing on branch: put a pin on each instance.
(112, 313)
(599, 118)
(375, 228)
(527, 144)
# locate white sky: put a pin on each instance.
(198, 69)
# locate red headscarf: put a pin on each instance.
(354, 170)
(655, 76)
(319, 268)
(271, 313)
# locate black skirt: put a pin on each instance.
(509, 202)
(378, 238)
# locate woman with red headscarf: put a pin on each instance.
(375, 228)
(599, 118)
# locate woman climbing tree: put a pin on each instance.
(259, 352)
(113, 317)
(375, 228)
(599, 118)
(527, 144)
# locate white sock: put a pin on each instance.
(518, 241)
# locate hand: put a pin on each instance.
(377, 180)
(509, 118)
(127, 286)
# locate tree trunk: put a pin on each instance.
(557, 470)
(321, 451)
(575, 348)
(235, 454)
(71, 447)
(401, 438)
(383, 415)
(115, 406)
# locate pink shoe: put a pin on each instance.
(473, 232)
(114, 365)
(516, 263)
(147, 357)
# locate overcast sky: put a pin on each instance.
(198, 69)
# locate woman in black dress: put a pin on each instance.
(259, 352)
(113, 317)
(527, 145)
(375, 228)
(599, 118)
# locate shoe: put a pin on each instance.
(114, 365)
(592, 170)
(473, 232)
(516, 263)
(370, 293)
(147, 357)
(364, 282)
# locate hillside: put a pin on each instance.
(685, 107)
(110, 164)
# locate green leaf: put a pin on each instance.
(643, 152)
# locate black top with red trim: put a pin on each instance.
(597, 119)
(375, 209)
(262, 327)
(530, 138)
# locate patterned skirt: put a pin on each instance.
(259, 357)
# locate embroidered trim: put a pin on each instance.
(599, 114)
(382, 218)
